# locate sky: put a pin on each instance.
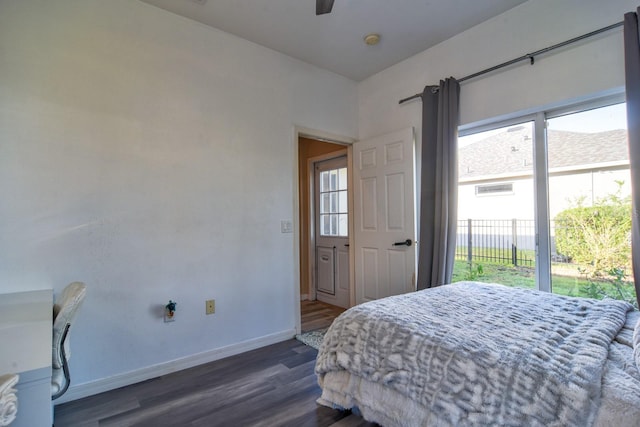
(590, 121)
(597, 120)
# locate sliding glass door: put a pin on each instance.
(544, 202)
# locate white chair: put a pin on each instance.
(65, 309)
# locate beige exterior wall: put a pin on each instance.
(564, 191)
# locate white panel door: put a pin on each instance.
(384, 224)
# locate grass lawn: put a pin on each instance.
(524, 277)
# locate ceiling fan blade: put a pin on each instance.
(323, 6)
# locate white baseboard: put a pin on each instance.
(304, 297)
(99, 386)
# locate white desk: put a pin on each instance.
(25, 349)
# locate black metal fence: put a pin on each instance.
(505, 241)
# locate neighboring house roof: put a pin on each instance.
(510, 153)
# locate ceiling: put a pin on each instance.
(336, 41)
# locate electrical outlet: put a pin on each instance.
(210, 306)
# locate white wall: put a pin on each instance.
(590, 67)
(152, 157)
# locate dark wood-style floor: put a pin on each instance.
(271, 386)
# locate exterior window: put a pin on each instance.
(494, 189)
(333, 203)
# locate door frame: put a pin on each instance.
(297, 132)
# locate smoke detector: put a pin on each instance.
(372, 39)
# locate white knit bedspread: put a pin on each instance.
(471, 354)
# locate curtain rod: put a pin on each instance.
(529, 56)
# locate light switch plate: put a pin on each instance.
(286, 226)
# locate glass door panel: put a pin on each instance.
(590, 204)
(496, 211)
(333, 202)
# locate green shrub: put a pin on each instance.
(615, 285)
(597, 237)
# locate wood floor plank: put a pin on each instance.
(298, 414)
(317, 315)
(261, 410)
(232, 376)
(299, 359)
(187, 401)
(294, 374)
(187, 407)
(89, 411)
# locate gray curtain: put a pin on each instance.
(439, 183)
(632, 74)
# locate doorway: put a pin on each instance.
(380, 173)
(310, 151)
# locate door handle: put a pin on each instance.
(407, 242)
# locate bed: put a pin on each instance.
(478, 354)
